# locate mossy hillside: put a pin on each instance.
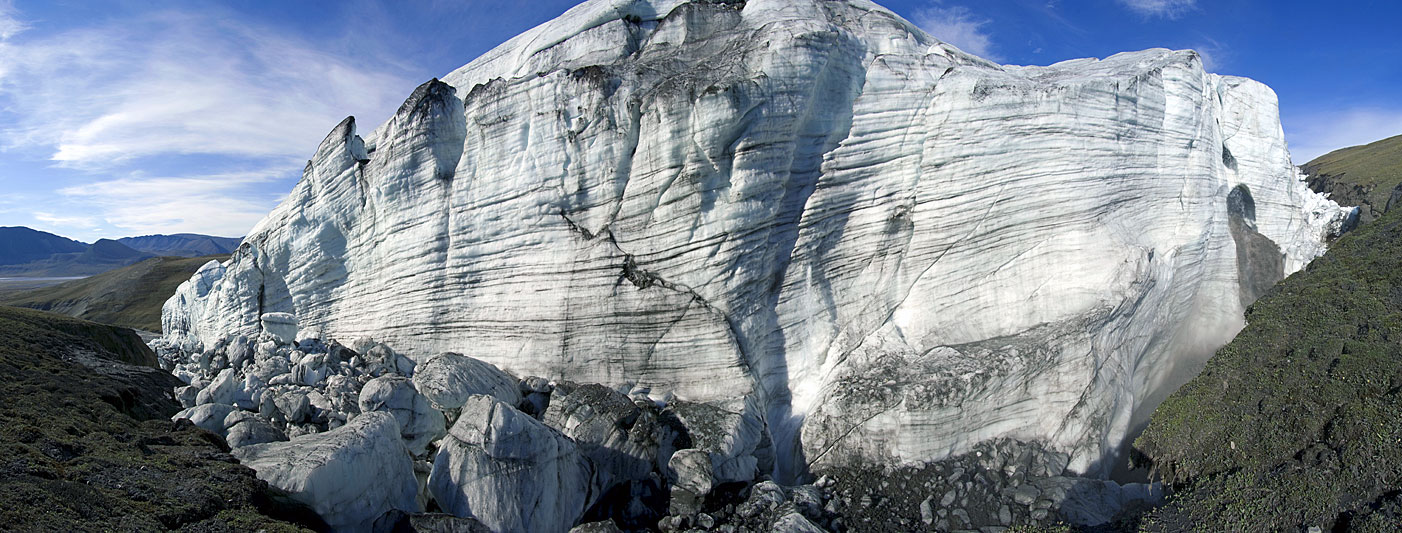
(27, 330)
(1298, 421)
(1359, 175)
(93, 450)
(130, 297)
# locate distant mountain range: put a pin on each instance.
(182, 244)
(26, 252)
(19, 245)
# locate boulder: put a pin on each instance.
(693, 479)
(282, 327)
(208, 416)
(450, 378)
(268, 367)
(242, 428)
(419, 423)
(351, 475)
(311, 369)
(401, 522)
(223, 389)
(295, 406)
(621, 439)
(731, 436)
(250, 389)
(239, 352)
(187, 396)
(509, 470)
(379, 359)
(793, 522)
(535, 395)
(603, 526)
(342, 394)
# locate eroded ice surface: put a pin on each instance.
(894, 248)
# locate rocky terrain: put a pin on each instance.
(866, 244)
(130, 296)
(372, 441)
(86, 442)
(1366, 176)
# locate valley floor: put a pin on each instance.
(16, 285)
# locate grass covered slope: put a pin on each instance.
(1360, 175)
(86, 443)
(1298, 421)
(131, 296)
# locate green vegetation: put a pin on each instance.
(1361, 175)
(130, 297)
(87, 443)
(1298, 421)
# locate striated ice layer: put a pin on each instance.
(894, 249)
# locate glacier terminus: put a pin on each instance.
(852, 242)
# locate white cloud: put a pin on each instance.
(1160, 8)
(10, 25)
(80, 222)
(1214, 55)
(1317, 133)
(205, 92)
(225, 204)
(181, 83)
(958, 26)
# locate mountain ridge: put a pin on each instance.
(182, 244)
(26, 252)
(19, 244)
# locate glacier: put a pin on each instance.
(809, 213)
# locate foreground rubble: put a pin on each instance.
(375, 442)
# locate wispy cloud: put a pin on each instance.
(1214, 56)
(1171, 9)
(225, 204)
(76, 222)
(10, 23)
(200, 86)
(1317, 133)
(958, 26)
(180, 83)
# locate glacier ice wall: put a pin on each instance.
(810, 210)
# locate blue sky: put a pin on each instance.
(122, 118)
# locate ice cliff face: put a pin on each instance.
(808, 211)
